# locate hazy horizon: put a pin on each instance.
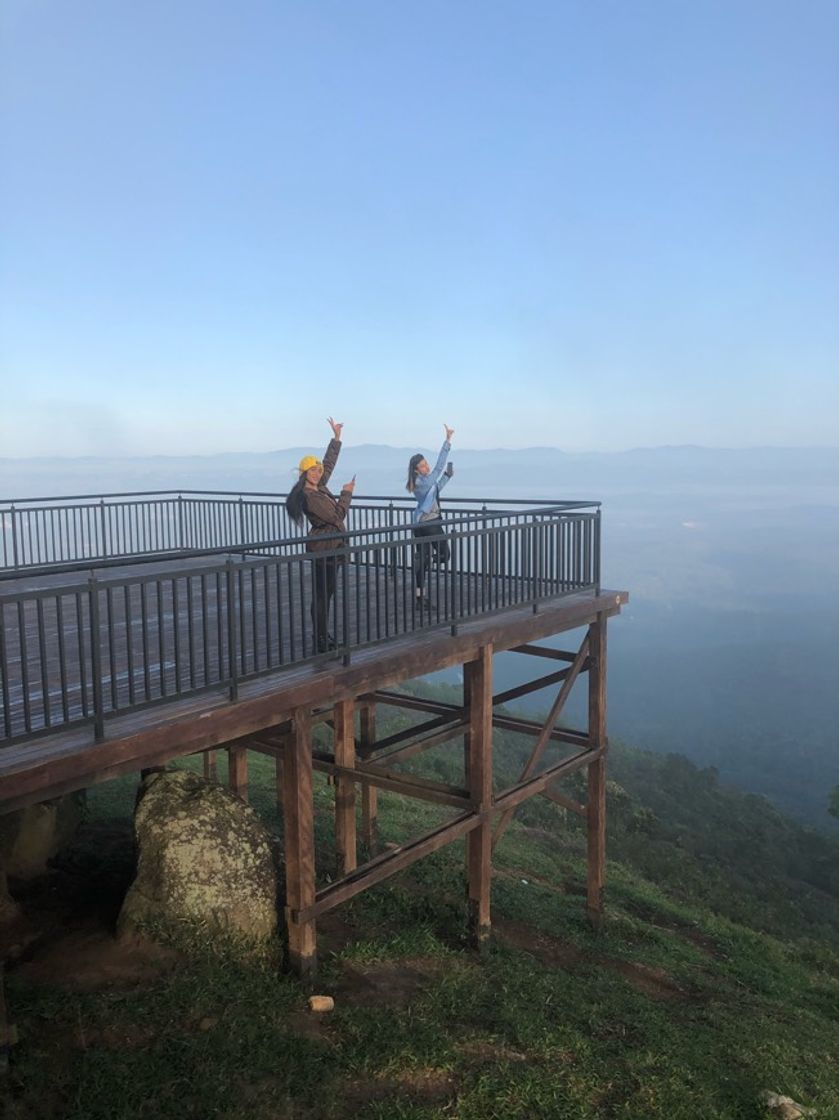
(757, 447)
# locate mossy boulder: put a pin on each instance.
(203, 862)
(30, 837)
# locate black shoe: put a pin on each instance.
(327, 644)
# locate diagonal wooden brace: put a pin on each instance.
(545, 733)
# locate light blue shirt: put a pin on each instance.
(428, 486)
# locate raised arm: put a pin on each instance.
(440, 465)
(332, 452)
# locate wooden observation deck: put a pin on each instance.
(136, 629)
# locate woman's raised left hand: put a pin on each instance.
(449, 433)
(336, 427)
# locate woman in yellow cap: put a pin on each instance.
(326, 515)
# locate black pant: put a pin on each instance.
(324, 578)
(425, 551)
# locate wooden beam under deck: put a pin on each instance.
(66, 761)
(518, 724)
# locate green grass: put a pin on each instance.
(676, 1010)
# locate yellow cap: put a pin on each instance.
(309, 461)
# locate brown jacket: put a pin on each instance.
(325, 512)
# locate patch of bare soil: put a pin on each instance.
(688, 933)
(483, 1051)
(85, 959)
(653, 982)
(311, 1025)
(267, 1099)
(64, 937)
(425, 1085)
(549, 950)
(385, 983)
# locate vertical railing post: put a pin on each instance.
(15, 556)
(597, 530)
(345, 608)
(484, 545)
(232, 650)
(96, 657)
(393, 556)
(455, 565)
(4, 671)
(181, 543)
(102, 528)
(532, 564)
(241, 521)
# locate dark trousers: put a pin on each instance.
(427, 550)
(324, 578)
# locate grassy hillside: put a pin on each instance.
(716, 977)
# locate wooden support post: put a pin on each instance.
(298, 824)
(8, 1032)
(345, 840)
(278, 774)
(596, 804)
(467, 738)
(369, 794)
(467, 733)
(210, 766)
(478, 687)
(238, 771)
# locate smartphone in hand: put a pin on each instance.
(449, 469)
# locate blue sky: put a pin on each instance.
(591, 225)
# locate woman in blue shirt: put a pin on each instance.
(425, 483)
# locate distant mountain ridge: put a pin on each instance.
(525, 472)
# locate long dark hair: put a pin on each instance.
(413, 463)
(294, 503)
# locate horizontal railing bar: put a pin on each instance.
(362, 539)
(234, 495)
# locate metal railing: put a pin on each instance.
(83, 649)
(66, 533)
